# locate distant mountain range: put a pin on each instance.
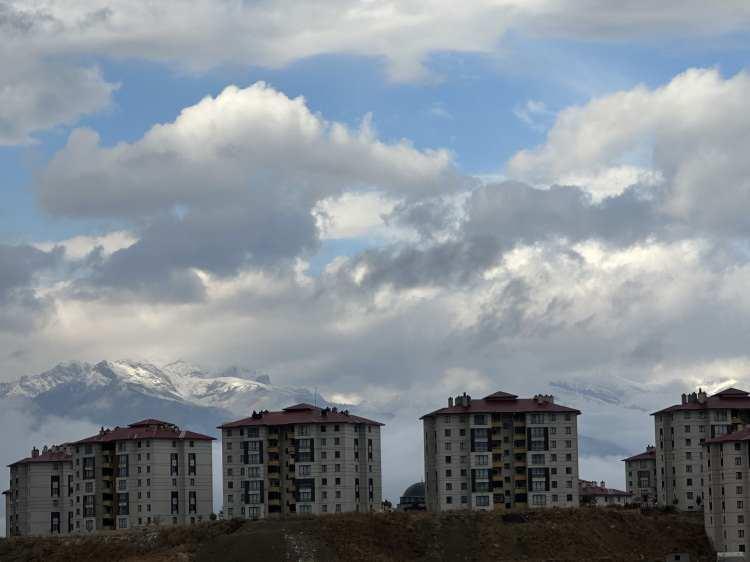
(117, 392)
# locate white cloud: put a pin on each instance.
(358, 215)
(37, 95)
(243, 140)
(79, 247)
(201, 34)
(692, 131)
(42, 85)
(532, 112)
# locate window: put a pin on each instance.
(304, 470)
(480, 419)
(482, 501)
(537, 459)
(538, 499)
(482, 460)
(447, 432)
(447, 459)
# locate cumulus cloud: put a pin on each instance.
(235, 180)
(691, 132)
(39, 95)
(201, 34)
(45, 87)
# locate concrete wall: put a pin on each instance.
(149, 483)
(30, 504)
(679, 454)
(449, 461)
(727, 511)
(336, 458)
(642, 492)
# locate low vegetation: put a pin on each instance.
(581, 534)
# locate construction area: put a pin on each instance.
(560, 535)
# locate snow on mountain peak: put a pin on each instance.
(178, 382)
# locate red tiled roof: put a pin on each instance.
(645, 456)
(729, 398)
(502, 402)
(150, 421)
(741, 435)
(500, 395)
(299, 413)
(49, 456)
(138, 431)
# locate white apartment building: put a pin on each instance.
(640, 476)
(150, 472)
(39, 500)
(727, 494)
(501, 452)
(680, 433)
(302, 459)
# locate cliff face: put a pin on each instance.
(583, 534)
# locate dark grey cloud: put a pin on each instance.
(20, 304)
(499, 217)
(159, 266)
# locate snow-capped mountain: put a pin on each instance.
(115, 392)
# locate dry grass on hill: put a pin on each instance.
(581, 534)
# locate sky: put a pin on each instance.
(389, 201)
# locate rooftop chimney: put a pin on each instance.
(34, 453)
(450, 401)
(603, 484)
(702, 396)
(684, 398)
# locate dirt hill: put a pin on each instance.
(581, 534)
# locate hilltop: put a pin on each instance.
(580, 534)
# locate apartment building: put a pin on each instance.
(640, 476)
(597, 494)
(681, 431)
(39, 500)
(150, 472)
(501, 452)
(727, 502)
(6, 500)
(302, 459)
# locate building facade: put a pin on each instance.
(6, 500)
(39, 500)
(640, 476)
(597, 494)
(727, 502)
(680, 433)
(501, 452)
(302, 459)
(150, 472)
